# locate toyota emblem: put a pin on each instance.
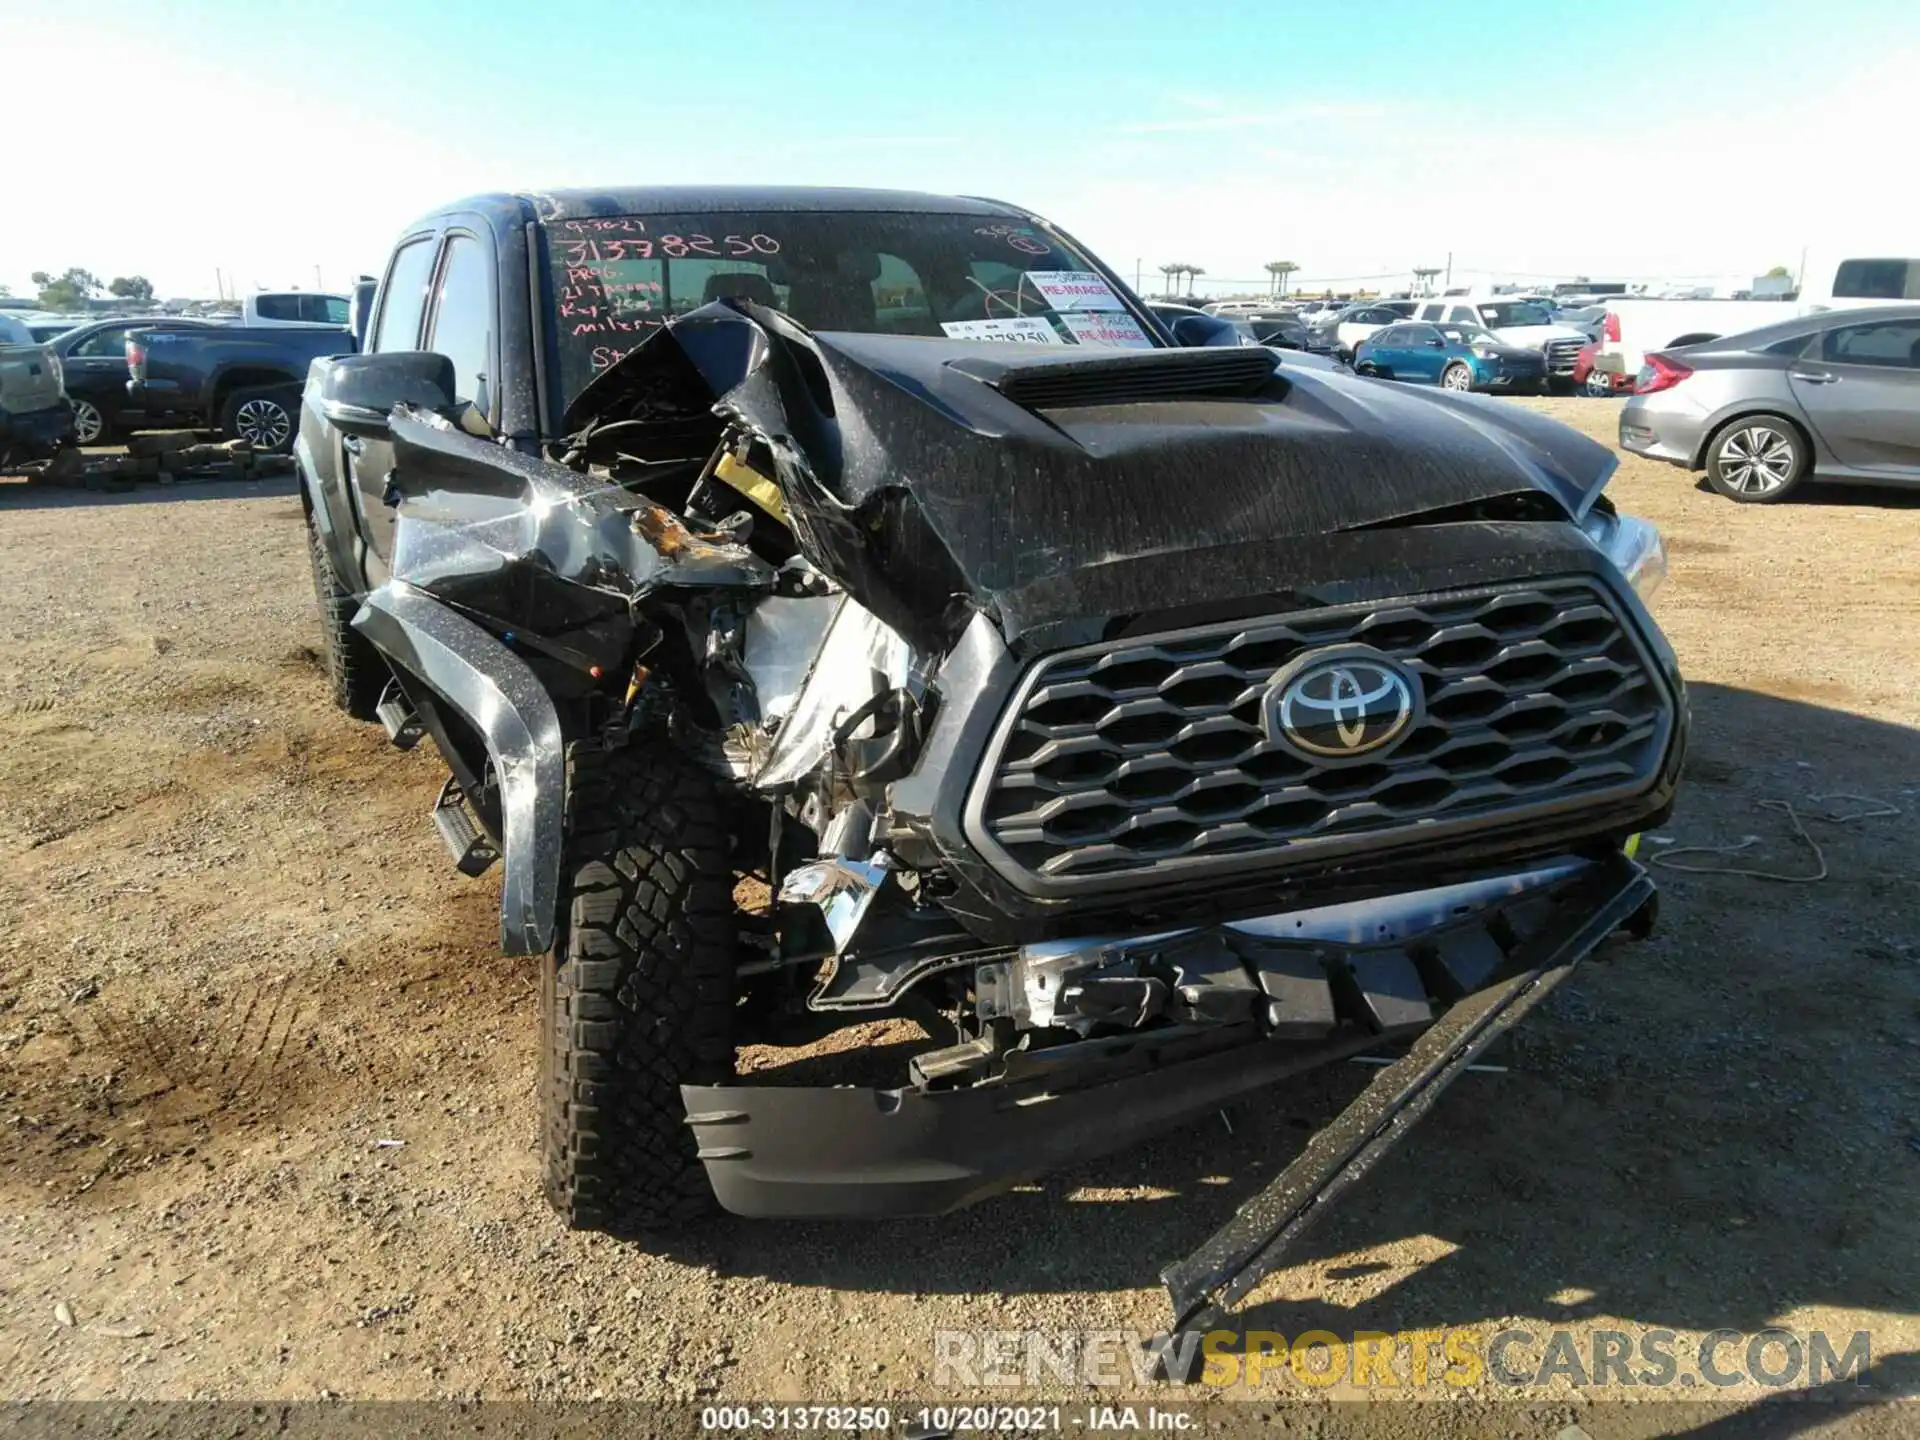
(1342, 704)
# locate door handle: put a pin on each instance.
(1813, 379)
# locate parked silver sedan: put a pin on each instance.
(1831, 396)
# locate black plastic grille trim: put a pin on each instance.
(1130, 380)
(1145, 762)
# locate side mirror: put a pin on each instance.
(1436, 344)
(356, 393)
(1195, 330)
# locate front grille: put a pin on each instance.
(1563, 355)
(1147, 760)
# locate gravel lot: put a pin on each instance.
(267, 1088)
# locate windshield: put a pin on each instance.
(1519, 312)
(1468, 335)
(614, 281)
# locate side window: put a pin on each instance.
(1431, 312)
(279, 307)
(1463, 315)
(1391, 336)
(333, 309)
(109, 343)
(1894, 343)
(462, 326)
(404, 297)
(1877, 280)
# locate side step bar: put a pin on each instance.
(404, 727)
(472, 851)
(1204, 1286)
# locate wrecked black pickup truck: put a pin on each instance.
(836, 606)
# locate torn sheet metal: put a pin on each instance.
(932, 480)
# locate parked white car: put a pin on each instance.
(1525, 324)
(1634, 328)
(295, 307)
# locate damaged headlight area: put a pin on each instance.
(1633, 545)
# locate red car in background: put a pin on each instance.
(1597, 382)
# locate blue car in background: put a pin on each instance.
(1452, 356)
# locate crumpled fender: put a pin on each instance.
(496, 693)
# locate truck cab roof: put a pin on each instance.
(506, 208)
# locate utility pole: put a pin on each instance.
(316, 279)
(219, 283)
(1136, 274)
(1449, 280)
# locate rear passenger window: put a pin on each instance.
(404, 297)
(1893, 343)
(278, 307)
(463, 317)
(1463, 315)
(110, 343)
(1431, 312)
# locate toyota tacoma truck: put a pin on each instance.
(242, 381)
(840, 606)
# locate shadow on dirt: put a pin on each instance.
(1667, 1143)
(1894, 495)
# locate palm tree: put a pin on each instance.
(1279, 270)
(1192, 270)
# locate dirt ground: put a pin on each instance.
(267, 1087)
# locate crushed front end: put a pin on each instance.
(1145, 726)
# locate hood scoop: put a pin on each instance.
(1242, 373)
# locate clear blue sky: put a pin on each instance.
(1631, 137)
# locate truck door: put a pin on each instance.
(1860, 387)
(396, 326)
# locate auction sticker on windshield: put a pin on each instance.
(1106, 328)
(1068, 290)
(1030, 329)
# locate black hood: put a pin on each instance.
(933, 476)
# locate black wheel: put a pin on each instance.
(355, 672)
(1456, 377)
(637, 995)
(1757, 460)
(266, 417)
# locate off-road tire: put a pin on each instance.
(356, 675)
(637, 995)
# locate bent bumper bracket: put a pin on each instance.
(1204, 1285)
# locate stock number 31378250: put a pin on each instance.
(676, 247)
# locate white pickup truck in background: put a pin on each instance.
(294, 307)
(1528, 324)
(1634, 327)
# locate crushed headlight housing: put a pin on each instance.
(1631, 544)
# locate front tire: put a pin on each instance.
(637, 994)
(266, 416)
(1599, 382)
(1759, 460)
(356, 675)
(1456, 377)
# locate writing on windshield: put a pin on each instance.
(614, 281)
